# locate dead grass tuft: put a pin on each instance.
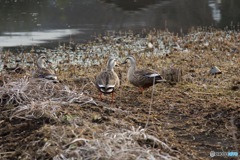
(111, 144)
(34, 98)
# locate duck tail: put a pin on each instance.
(158, 77)
(106, 89)
(161, 80)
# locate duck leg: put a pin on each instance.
(112, 96)
(141, 90)
(100, 95)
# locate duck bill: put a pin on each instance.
(124, 62)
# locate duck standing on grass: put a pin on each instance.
(108, 80)
(142, 78)
(43, 72)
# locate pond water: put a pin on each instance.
(49, 22)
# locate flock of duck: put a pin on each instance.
(107, 80)
(155, 44)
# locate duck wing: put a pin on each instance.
(145, 77)
(44, 73)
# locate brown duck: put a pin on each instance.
(142, 78)
(107, 80)
(43, 72)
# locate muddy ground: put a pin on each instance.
(195, 114)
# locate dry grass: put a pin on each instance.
(113, 144)
(34, 98)
(193, 114)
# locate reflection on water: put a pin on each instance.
(98, 16)
(26, 38)
(134, 5)
(215, 7)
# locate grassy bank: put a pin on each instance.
(192, 114)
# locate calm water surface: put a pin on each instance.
(49, 22)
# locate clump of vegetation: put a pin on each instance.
(112, 144)
(36, 97)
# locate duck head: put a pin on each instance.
(131, 59)
(41, 62)
(111, 63)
